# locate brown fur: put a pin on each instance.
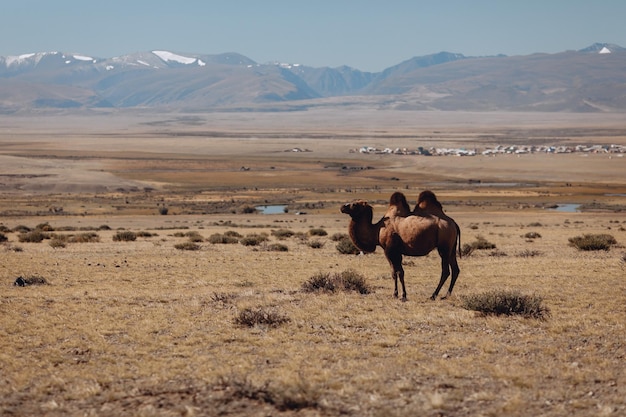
(412, 235)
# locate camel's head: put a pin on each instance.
(357, 210)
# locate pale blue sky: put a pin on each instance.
(368, 35)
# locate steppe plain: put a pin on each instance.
(143, 328)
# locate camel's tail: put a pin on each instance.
(458, 238)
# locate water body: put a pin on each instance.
(567, 208)
(272, 209)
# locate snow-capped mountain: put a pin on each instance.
(591, 79)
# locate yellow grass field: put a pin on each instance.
(143, 328)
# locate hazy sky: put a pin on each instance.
(364, 34)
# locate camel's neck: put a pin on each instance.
(364, 234)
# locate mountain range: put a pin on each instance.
(587, 80)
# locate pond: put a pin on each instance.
(567, 208)
(272, 209)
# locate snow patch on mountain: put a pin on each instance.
(171, 57)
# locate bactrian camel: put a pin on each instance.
(404, 232)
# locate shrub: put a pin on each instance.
(481, 243)
(590, 242)
(506, 303)
(163, 211)
(282, 233)
(247, 209)
(277, 247)
(187, 246)
(57, 243)
(34, 236)
(194, 236)
(529, 253)
(318, 231)
(3, 237)
(346, 247)
(316, 244)
(232, 233)
(87, 237)
(224, 239)
(339, 236)
(532, 235)
(44, 227)
(21, 229)
(467, 250)
(348, 280)
(125, 236)
(253, 239)
(251, 317)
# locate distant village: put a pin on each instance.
(619, 150)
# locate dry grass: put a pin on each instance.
(137, 327)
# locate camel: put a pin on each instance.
(398, 233)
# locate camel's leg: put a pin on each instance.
(455, 273)
(445, 273)
(395, 260)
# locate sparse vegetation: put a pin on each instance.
(318, 231)
(253, 239)
(260, 316)
(125, 236)
(316, 244)
(282, 233)
(218, 238)
(33, 236)
(500, 302)
(346, 247)
(529, 253)
(348, 280)
(531, 235)
(187, 246)
(277, 247)
(591, 242)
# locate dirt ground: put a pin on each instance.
(146, 328)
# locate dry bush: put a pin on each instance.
(194, 236)
(125, 236)
(348, 280)
(346, 247)
(499, 302)
(482, 244)
(34, 236)
(251, 317)
(3, 237)
(589, 242)
(57, 243)
(316, 244)
(44, 227)
(87, 237)
(283, 233)
(21, 229)
(339, 236)
(187, 246)
(531, 235)
(318, 231)
(218, 238)
(277, 247)
(253, 239)
(529, 253)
